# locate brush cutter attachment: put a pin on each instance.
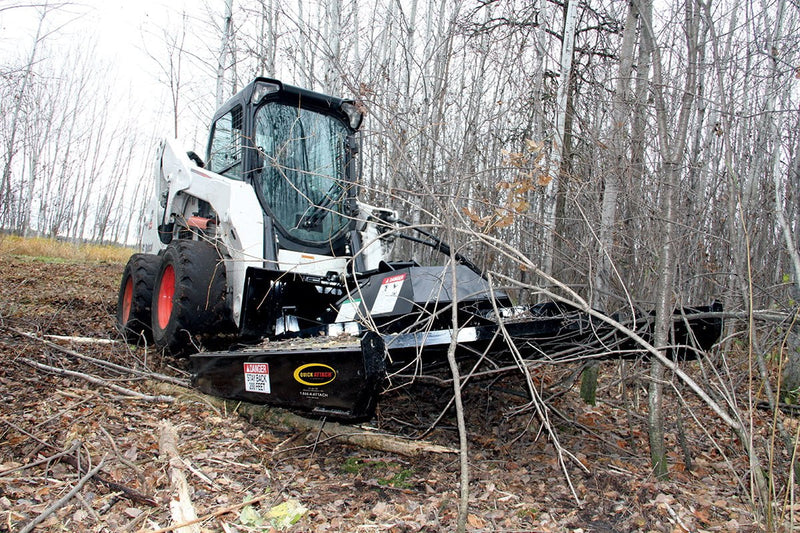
(337, 378)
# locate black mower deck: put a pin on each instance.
(337, 377)
(341, 376)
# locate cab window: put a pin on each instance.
(303, 181)
(226, 152)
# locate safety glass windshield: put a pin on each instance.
(303, 180)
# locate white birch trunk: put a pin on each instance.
(222, 61)
(619, 148)
(567, 49)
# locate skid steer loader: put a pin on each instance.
(265, 249)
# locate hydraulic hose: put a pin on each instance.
(440, 246)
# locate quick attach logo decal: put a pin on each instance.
(314, 374)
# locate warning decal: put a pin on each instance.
(388, 294)
(256, 377)
(348, 310)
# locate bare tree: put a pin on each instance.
(19, 101)
(170, 67)
(672, 145)
(224, 51)
(562, 133)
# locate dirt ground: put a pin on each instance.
(517, 482)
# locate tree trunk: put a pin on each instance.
(608, 212)
(671, 150)
(5, 184)
(225, 48)
(567, 49)
(333, 46)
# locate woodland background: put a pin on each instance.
(625, 155)
(582, 152)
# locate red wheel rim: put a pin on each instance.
(127, 298)
(166, 290)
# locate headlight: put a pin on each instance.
(262, 89)
(354, 116)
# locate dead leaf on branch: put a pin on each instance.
(534, 146)
(503, 221)
(544, 180)
(482, 223)
(514, 159)
(520, 206)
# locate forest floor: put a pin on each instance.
(517, 482)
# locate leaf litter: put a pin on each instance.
(305, 484)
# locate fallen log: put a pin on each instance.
(277, 417)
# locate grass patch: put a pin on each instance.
(399, 480)
(353, 465)
(388, 473)
(55, 251)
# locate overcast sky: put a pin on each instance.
(118, 26)
(121, 32)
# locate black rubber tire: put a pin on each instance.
(135, 297)
(188, 301)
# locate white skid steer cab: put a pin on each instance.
(265, 247)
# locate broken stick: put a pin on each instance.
(124, 491)
(102, 362)
(97, 381)
(83, 340)
(61, 502)
(180, 504)
(218, 512)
